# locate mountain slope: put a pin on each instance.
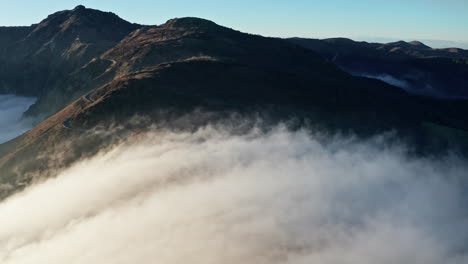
(10, 35)
(194, 67)
(39, 63)
(166, 93)
(177, 89)
(181, 39)
(413, 66)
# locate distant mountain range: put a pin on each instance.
(434, 43)
(92, 69)
(413, 66)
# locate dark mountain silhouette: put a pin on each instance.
(38, 60)
(10, 35)
(111, 70)
(425, 71)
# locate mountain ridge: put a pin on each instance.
(419, 69)
(53, 49)
(189, 65)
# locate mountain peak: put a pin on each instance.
(88, 24)
(191, 22)
(79, 7)
(410, 45)
(419, 44)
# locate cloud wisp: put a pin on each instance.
(390, 80)
(12, 123)
(214, 197)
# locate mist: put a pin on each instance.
(12, 123)
(390, 80)
(257, 197)
(424, 88)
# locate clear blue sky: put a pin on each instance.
(358, 19)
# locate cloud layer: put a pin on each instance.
(11, 111)
(211, 197)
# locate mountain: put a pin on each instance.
(186, 38)
(417, 68)
(38, 60)
(10, 35)
(94, 73)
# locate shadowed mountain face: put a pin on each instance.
(413, 66)
(38, 60)
(10, 35)
(92, 69)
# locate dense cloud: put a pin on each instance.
(11, 110)
(211, 197)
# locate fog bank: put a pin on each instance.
(211, 197)
(11, 111)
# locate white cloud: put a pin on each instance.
(211, 197)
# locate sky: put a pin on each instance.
(445, 21)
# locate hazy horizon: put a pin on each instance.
(359, 20)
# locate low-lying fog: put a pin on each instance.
(213, 197)
(11, 122)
